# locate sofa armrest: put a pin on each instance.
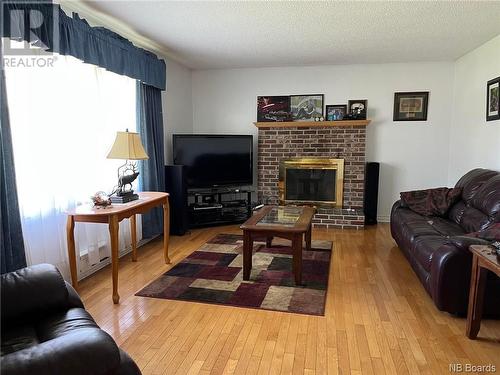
(74, 299)
(127, 365)
(397, 204)
(450, 271)
(463, 242)
(32, 290)
(82, 352)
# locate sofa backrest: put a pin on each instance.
(480, 202)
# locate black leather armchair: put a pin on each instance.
(46, 330)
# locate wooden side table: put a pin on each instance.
(484, 259)
(112, 216)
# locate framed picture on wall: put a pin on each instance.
(335, 112)
(411, 106)
(492, 99)
(306, 107)
(273, 108)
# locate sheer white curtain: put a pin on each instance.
(64, 120)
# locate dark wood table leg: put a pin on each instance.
(476, 298)
(247, 254)
(269, 241)
(308, 238)
(297, 258)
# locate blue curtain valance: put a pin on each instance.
(74, 36)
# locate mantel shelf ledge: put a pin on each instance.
(311, 124)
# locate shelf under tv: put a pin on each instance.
(311, 124)
(218, 206)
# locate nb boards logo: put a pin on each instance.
(469, 368)
(30, 33)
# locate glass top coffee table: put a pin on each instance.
(290, 222)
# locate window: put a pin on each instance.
(64, 120)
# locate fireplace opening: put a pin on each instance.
(310, 184)
(317, 181)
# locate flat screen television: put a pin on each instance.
(215, 160)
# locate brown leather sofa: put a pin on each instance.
(437, 247)
(46, 330)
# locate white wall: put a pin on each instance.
(474, 142)
(412, 154)
(177, 104)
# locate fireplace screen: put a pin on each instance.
(307, 180)
(310, 184)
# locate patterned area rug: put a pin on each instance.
(214, 274)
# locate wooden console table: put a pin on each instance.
(112, 216)
(484, 259)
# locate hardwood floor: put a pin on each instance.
(378, 319)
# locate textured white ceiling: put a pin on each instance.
(267, 33)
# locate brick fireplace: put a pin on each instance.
(279, 142)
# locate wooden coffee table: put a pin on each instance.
(290, 222)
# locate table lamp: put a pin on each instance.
(127, 146)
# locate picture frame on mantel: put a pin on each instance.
(273, 108)
(493, 99)
(357, 109)
(411, 106)
(335, 112)
(306, 107)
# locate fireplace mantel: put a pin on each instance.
(311, 124)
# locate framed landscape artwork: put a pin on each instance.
(410, 106)
(273, 108)
(306, 107)
(357, 108)
(493, 100)
(335, 112)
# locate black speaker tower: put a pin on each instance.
(371, 192)
(175, 183)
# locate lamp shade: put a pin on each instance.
(127, 146)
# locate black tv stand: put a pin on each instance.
(218, 206)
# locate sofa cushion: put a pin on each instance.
(405, 215)
(18, 336)
(80, 352)
(64, 322)
(417, 226)
(487, 198)
(472, 181)
(415, 230)
(424, 248)
(456, 212)
(431, 202)
(490, 233)
(474, 220)
(22, 337)
(32, 291)
(445, 227)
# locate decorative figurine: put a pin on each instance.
(101, 199)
